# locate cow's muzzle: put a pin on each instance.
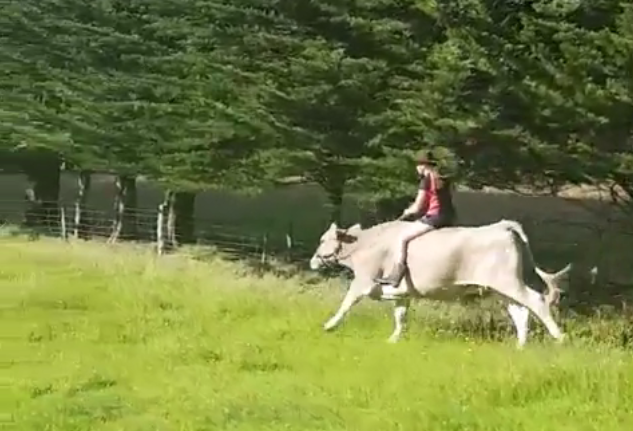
(319, 261)
(315, 263)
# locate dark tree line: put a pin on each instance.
(242, 95)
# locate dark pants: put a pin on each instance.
(438, 220)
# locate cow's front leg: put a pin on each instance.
(353, 295)
(399, 318)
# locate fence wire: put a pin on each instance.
(141, 225)
(553, 240)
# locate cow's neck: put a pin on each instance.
(346, 254)
(366, 242)
(350, 249)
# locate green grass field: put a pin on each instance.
(93, 338)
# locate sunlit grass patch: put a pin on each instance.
(107, 338)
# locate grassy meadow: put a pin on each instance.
(97, 337)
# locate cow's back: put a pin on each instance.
(456, 255)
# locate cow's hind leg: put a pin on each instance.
(535, 302)
(520, 317)
(399, 318)
(353, 295)
(538, 305)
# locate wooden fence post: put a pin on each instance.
(76, 221)
(62, 222)
(160, 230)
(289, 242)
(263, 259)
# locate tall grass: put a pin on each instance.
(112, 338)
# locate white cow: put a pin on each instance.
(443, 265)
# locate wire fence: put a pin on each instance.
(146, 225)
(554, 240)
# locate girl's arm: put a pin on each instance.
(418, 204)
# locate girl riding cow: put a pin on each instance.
(432, 208)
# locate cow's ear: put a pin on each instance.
(333, 227)
(355, 230)
(345, 236)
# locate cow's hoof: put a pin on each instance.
(561, 339)
(393, 339)
(328, 327)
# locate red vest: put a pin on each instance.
(432, 203)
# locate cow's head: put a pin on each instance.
(332, 244)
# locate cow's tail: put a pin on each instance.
(516, 227)
(552, 281)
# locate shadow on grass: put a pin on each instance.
(487, 320)
(31, 233)
(279, 264)
(605, 318)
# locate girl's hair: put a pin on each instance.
(440, 180)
